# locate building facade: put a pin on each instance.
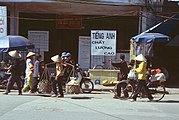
(54, 26)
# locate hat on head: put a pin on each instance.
(122, 56)
(68, 54)
(141, 58)
(56, 58)
(63, 54)
(15, 54)
(30, 54)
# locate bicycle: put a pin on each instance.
(129, 88)
(156, 88)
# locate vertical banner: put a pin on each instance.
(3, 21)
(103, 42)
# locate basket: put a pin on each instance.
(73, 89)
(44, 85)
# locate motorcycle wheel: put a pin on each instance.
(87, 86)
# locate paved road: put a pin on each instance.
(96, 106)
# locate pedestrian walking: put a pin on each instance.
(122, 65)
(58, 78)
(141, 71)
(36, 73)
(16, 73)
(29, 71)
(23, 67)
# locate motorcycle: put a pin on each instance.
(85, 83)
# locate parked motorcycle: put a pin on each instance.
(86, 85)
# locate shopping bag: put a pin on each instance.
(132, 75)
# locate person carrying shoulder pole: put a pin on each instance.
(58, 78)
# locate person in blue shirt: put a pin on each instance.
(36, 73)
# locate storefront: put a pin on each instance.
(56, 26)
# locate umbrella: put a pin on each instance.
(151, 37)
(12, 42)
(145, 43)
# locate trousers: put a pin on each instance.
(58, 83)
(14, 79)
(142, 85)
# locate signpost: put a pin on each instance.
(103, 42)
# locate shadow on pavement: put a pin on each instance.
(169, 101)
(82, 97)
(98, 93)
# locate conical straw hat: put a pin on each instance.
(56, 58)
(14, 54)
(141, 58)
(30, 54)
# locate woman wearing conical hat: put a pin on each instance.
(141, 70)
(29, 71)
(59, 76)
(15, 72)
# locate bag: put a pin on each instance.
(158, 77)
(132, 75)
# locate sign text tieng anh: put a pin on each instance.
(103, 42)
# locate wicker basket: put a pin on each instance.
(73, 89)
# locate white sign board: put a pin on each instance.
(3, 21)
(103, 42)
(84, 52)
(40, 39)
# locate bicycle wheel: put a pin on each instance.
(158, 92)
(126, 87)
(87, 86)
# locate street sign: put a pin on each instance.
(103, 42)
(3, 21)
